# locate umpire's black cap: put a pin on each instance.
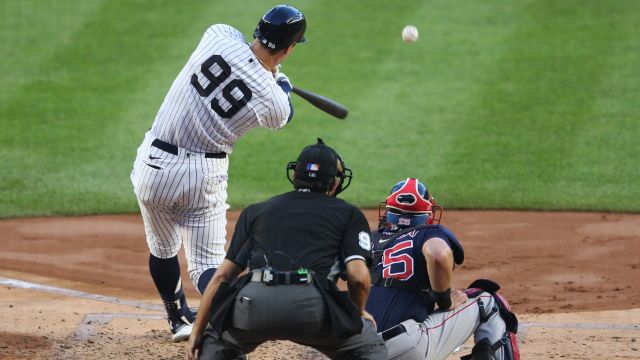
(317, 162)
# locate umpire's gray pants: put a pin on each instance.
(287, 312)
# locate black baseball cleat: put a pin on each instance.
(180, 330)
(181, 326)
(180, 318)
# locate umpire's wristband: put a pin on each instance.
(443, 299)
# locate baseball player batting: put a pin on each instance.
(226, 88)
(414, 261)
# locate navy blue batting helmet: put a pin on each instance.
(280, 27)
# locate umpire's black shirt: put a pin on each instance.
(300, 229)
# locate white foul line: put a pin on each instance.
(80, 294)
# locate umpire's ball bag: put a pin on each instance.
(222, 303)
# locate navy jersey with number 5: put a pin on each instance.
(401, 292)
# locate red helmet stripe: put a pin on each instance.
(408, 199)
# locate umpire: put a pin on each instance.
(294, 246)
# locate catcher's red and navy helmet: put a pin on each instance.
(280, 27)
(410, 204)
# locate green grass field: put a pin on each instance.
(500, 104)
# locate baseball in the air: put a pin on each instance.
(410, 34)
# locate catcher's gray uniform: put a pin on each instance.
(442, 332)
(401, 304)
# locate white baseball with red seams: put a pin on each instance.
(410, 34)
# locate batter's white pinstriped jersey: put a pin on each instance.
(221, 93)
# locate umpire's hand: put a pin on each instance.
(195, 342)
(365, 315)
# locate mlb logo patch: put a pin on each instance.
(404, 221)
(313, 167)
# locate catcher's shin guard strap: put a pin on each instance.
(504, 340)
(484, 315)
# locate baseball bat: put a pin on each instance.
(325, 104)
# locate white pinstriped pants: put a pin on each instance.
(182, 197)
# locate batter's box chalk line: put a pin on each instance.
(91, 322)
(88, 329)
(79, 294)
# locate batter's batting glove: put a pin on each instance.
(277, 72)
(283, 81)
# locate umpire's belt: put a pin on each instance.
(272, 277)
(172, 149)
(393, 332)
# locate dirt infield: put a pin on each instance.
(77, 288)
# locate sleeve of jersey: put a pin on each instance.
(356, 242)
(286, 87)
(240, 240)
(226, 30)
(281, 110)
(455, 245)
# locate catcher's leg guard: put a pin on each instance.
(506, 347)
